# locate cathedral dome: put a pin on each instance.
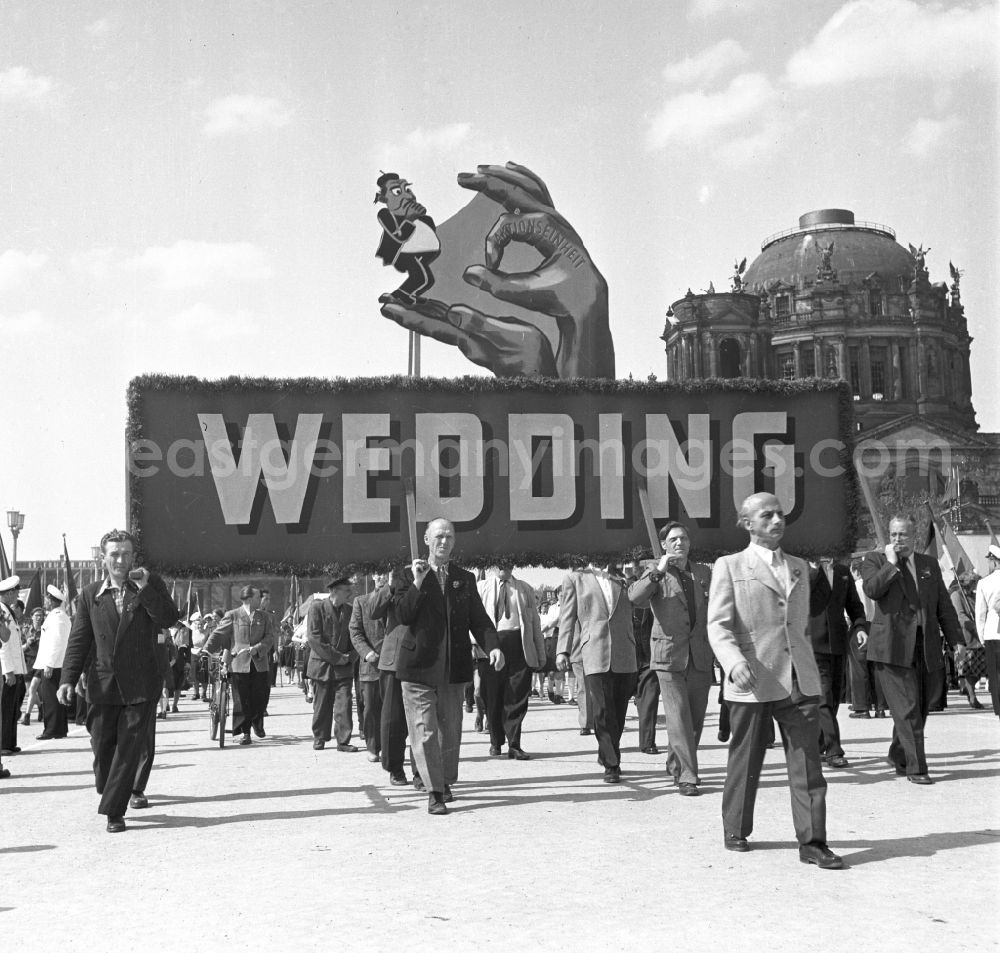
(860, 249)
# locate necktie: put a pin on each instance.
(909, 586)
(502, 603)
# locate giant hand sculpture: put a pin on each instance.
(565, 285)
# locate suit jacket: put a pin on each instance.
(605, 639)
(395, 233)
(119, 652)
(892, 636)
(328, 631)
(752, 619)
(830, 606)
(673, 642)
(531, 623)
(367, 635)
(432, 616)
(237, 633)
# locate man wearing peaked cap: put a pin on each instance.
(331, 665)
(51, 652)
(12, 665)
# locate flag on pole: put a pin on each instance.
(70, 586)
(993, 536)
(866, 491)
(292, 610)
(34, 600)
(187, 602)
(4, 564)
(943, 545)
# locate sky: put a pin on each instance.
(186, 187)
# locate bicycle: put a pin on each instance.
(219, 701)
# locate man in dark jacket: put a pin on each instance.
(367, 635)
(331, 665)
(116, 626)
(833, 599)
(440, 603)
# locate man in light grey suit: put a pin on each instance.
(757, 616)
(595, 600)
(676, 590)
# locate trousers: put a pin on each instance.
(434, 721)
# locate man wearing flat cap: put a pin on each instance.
(331, 665)
(248, 634)
(51, 652)
(12, 665)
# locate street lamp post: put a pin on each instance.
(15, 521)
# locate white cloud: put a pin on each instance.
(705, 193)
(705, 66)
(244, 113)
(20, 85)
(21, 325)
(927, 134)
(100, 27)
(703, 9)
(697, 116)
(190, 264)
(210, 324)
(752, 147)
(871, 38)
(17, 266)
(422, 144)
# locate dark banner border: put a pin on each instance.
(141, 385)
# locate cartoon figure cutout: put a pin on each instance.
(409, 238)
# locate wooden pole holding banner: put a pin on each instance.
(410, 494)
(647, 518)
(870, 502)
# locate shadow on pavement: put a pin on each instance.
(926, 845)
(26, 849)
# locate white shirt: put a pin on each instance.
(604, 581)
(774, 559)
(53, 641)
(988, 607)
(11, 651)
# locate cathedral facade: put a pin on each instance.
(837, 298)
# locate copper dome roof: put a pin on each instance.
(860, 248)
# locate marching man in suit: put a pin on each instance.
(676, 590)
(440, 604)
(834, 599)
(912, 609)
(331, 666)
(249, 634)
(114, 634)
(596, 615)
(510, 603)
(758, 610)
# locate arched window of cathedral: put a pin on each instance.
(875, 302)
(781, 306)
(788, 368)
(730, 358)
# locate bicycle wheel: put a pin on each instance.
(213, 716)
(223, 711)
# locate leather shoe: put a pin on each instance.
(516, 754)
(435, 803)
(494, 751)
(26, 720)
(478, 725)
(585, 731)
(837, 761)
(880, 713)
(651, 749)
(347, 747)
(418, 783)
(613, 775)
(116, 825)
(919, 779)
(735, 842)
(447, 797)
(859, 714)
(245, 740)
(398, 778)
(373, 757)
(821, 856)
(44, 736)
(723, 736)
(259, 732)
(318, 745)
(4, 774)
(138, 801)
(688, 789)
(15, 749)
